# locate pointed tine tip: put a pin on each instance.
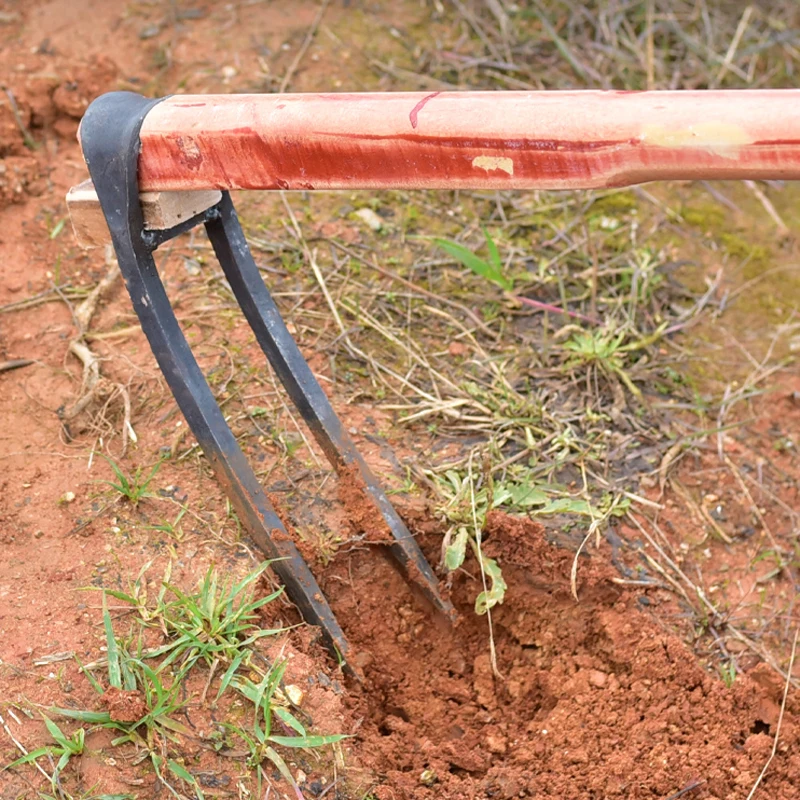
(354, 671)
(447, 608)
(419, 572)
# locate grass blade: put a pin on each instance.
(284, 770)
(114, 672)
(480, 267)
(56, 732)
(307, 741)
(230, 672)
(176, 769)
(90, 717)
(32, 756)
(89, 677)
(290, 720)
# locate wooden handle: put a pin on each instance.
(479, 140)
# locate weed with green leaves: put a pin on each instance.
(259, 739)
(728, 673)
(217, 624)
(491, 269)
(467, 500)
(172, 528)
(132, 488)
(151, 726)
(607, 350)
(64, 748)
(215, 627)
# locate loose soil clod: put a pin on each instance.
(360, 511)
(124, 706)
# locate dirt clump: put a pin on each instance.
(593, 699)
(82, 83)
(124, 706)
(363, 517)
(42, 103)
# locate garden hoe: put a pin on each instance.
(161, 167)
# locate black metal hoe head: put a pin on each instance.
(110, 142)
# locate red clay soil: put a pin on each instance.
(595, 699)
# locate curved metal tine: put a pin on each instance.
(230, 465)
(232, 469)
(259, 308)
(109, 137)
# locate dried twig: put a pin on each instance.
(683, 580)
(82, 316)
(30, 142)
(690, 787)
(312, 31)
(737, 37)
(783, 228)
(21, 748)
(581, 68)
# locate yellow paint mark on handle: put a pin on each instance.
(490, 163)
(719, 138)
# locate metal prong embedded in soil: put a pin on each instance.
(110, 141)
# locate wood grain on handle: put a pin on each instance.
(479, 140)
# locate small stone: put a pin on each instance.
(38, 534)
(370, 218)
(427, 777)
(597, 678)
(149, 31)
(300, 777)
(67, 497)
(496, 743)
(295, 694)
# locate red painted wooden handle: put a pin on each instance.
(486, 140)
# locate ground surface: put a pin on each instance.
(666, 678)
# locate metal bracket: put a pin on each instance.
(110, 141)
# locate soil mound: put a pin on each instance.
(595, 700)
